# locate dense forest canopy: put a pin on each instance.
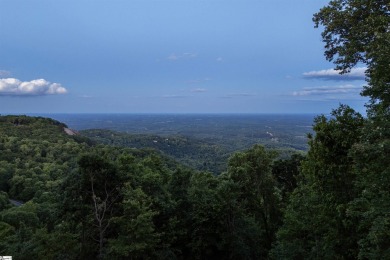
(209, 154)
(84, 200)
(340, 208)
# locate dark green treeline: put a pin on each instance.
(341, 206)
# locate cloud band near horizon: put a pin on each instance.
(326, 90)
(332, 74)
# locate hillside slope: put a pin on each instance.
(197, 154)
(83, 200)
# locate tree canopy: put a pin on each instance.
(358, 32)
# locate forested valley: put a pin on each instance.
(81, 199)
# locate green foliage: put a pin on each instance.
(201, 155)
(235, 215)
(88, 202)
(84, 202)
(137, 237)
(286, 172)
(252, 171)
(100, 191)
(4, 201)
(357, 31)
(371, 207)
(209, 152)
(20, 224)
(315, 221)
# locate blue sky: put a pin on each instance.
(168, 56)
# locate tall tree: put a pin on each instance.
(252, 172)
(358, 31)
(285, 172)
(100, 190)
(315, 222)
(136, 237)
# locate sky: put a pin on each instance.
(168, 56)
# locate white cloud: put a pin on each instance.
(37, 87)
(331, 74)
(327, 90)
